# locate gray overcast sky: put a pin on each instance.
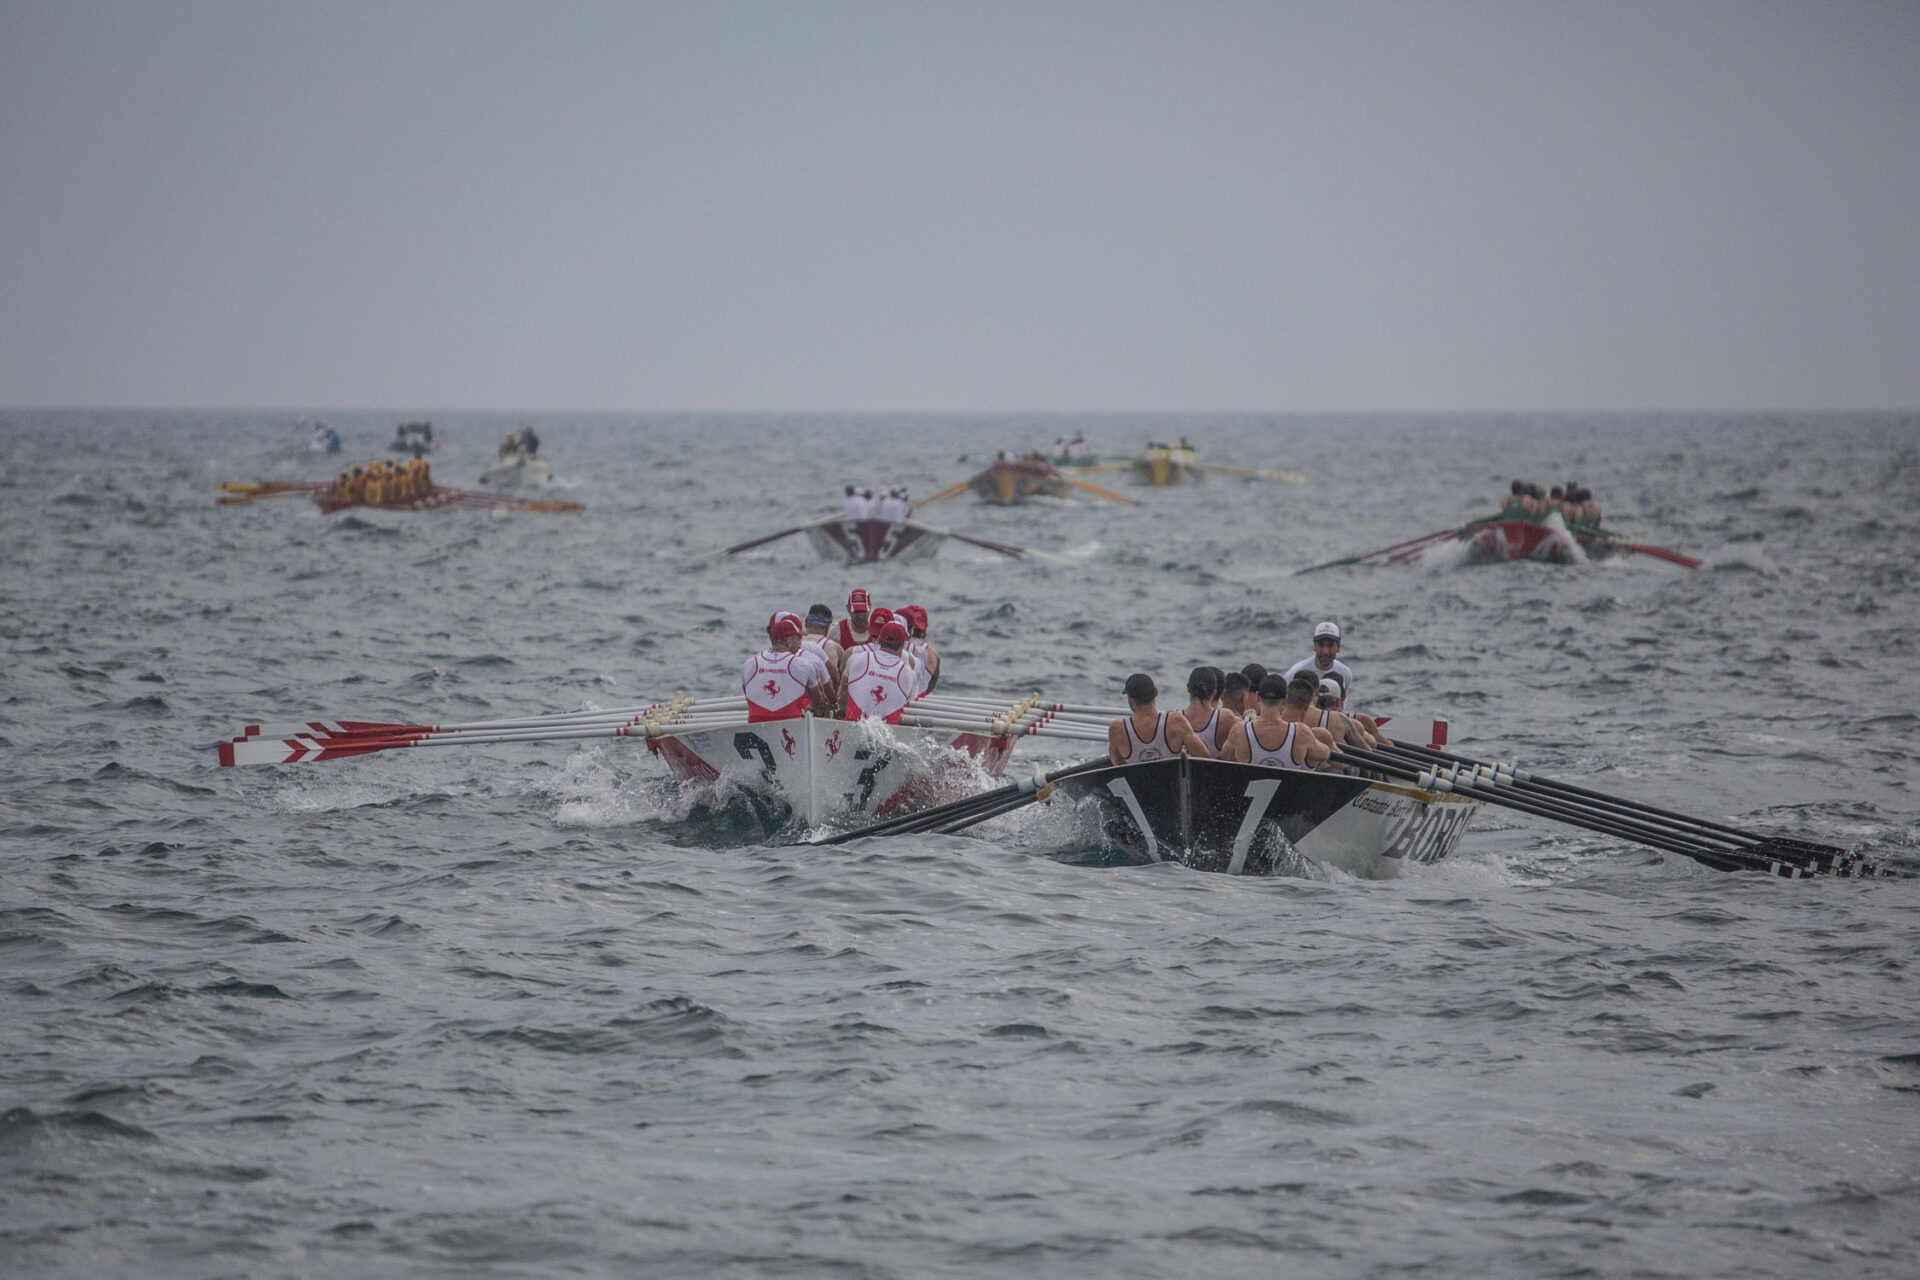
(1102, 206)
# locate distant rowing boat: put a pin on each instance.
(1549, 541)
(875, 541)
(1010, 481)
(325, 495)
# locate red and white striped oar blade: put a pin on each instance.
(327, 729)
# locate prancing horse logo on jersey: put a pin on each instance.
(771, 686)
(879, 692)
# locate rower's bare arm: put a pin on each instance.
(1181, 737)
(1235, 747)
(1116, 743)
(1318, 752)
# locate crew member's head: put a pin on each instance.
(916, 621)
(1201, 685)
(1519, 487)
(1301, 690)
(879, 619)
(850, 489)
(1273, 690)
(819, 618)
(1556, 493)
(785, 633)
(859, 605)
(1234, 690)
(1141, 691)
(1330, 694)
(892, 636)
(1254, 673)
(1326, 643)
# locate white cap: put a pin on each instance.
(1327, 630)
(1331, 688)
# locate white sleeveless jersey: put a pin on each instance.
(880, 684)
(775, 683)
(1210, 734)
(1281, 755)
(1140, 751)
(1341, 672)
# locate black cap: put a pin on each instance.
(1273, 688)
(1140, 687)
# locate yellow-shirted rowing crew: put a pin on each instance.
(383, 482)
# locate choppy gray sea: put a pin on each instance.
(532, 1010)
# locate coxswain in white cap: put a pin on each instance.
(1325, 660)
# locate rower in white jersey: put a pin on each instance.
(855, 628)
(857, 507)
(814, 629)
(1203, 711)
(925, 656)
(1330, 713)
(893, 507)
(784, 680)
(1270, 739)
(1146, 733)
(881, 682)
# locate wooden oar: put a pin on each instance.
(751, 543)
(1101, 491)
(941, 495)
(1617, 541)
(1005, 548)
(1662, 553)
(1026, 790)
(1425, 539)
(236, 491)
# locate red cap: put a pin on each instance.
(782, 628)
(893, 633)
(858, 601)
(880, 618)
(779, 614)
(914, 614)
